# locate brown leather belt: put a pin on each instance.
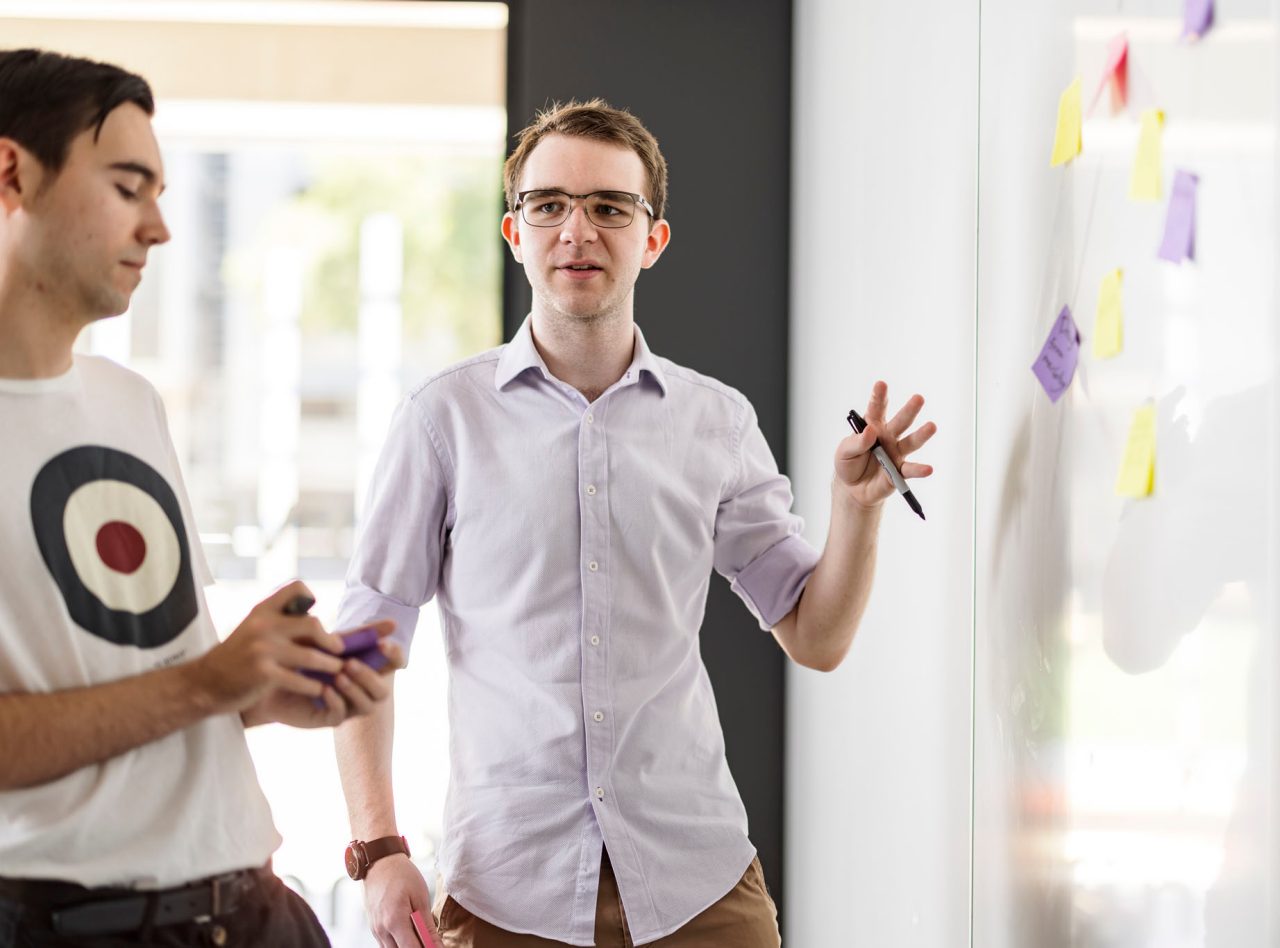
(70, 909)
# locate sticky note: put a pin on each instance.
(1115, 74)
(1138, 468)
(1179, 241)
(1056, 364)
(1066, 140)
(1108, 325)
(1197, 17)
(422, 931)
(1145, 182)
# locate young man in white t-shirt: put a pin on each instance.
(129, 808)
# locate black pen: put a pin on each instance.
(859, 425)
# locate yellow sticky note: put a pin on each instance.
(1138, 469)
(1108, 325)
(1066, 140)
(1145, 182)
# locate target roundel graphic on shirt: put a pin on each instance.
(110, 530)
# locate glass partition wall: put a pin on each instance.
(334, 191)
(1125, 646)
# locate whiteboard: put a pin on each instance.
(1125, 650)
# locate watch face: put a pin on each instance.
(353, 862)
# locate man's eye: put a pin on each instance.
(126, 193)
(548, 207)
(608, 210)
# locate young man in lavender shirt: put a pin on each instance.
(565, 498)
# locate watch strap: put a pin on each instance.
(375, 849)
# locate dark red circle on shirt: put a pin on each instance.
(121, 546)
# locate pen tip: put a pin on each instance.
(915, 504)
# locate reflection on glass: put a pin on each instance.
(1124, 663)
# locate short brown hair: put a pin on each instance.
(597, 120)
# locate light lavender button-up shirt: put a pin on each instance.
(570, 547)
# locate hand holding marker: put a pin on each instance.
(859, 425)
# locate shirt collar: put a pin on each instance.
(520, 355)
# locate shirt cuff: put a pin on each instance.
(772, 583)
(361, 605)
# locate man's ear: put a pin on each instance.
(655, 243)
(511, 234)
(16, 168)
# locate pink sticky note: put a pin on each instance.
(1115, 75)
(423, 932)
(1180, 224)
(1056, 364)
(1197, 18)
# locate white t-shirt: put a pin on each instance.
(102, 579)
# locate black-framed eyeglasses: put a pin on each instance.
(549, 208)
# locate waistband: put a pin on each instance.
(66, 908)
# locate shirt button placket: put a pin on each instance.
(595, 533)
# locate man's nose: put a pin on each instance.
(154, 230)
(577, 227)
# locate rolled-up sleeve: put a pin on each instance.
(758, 546)
(396, 565)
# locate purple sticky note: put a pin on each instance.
(1180, 224)
(1056, 364)
(1197, 17)
(361, 645)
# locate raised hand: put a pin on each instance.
(857, 473)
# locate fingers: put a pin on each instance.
(310, 631)
(905, 417)
(335, 710)
(305, 628)
(285, 594)
(395, 656)
(877, 404)
(361, 687)
(917, 439)
(855, 445)
(912, 470)
(296, 655)
(299, 684)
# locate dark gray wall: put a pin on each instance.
(712, 80)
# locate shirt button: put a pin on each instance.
(591, 419)
(599, 716)
(595, 640)
(593, 566)
(591, 490)
(599, 793)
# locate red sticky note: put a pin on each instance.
(1115, 75)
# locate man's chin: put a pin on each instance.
(111, 306)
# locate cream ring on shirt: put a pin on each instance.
(102, 524)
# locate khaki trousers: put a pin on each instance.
(744, 918)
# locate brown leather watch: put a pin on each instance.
(361, 855)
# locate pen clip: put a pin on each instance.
(856, 422)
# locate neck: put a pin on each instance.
(590, 354)
(36, 335)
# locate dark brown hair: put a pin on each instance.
(47, 99)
